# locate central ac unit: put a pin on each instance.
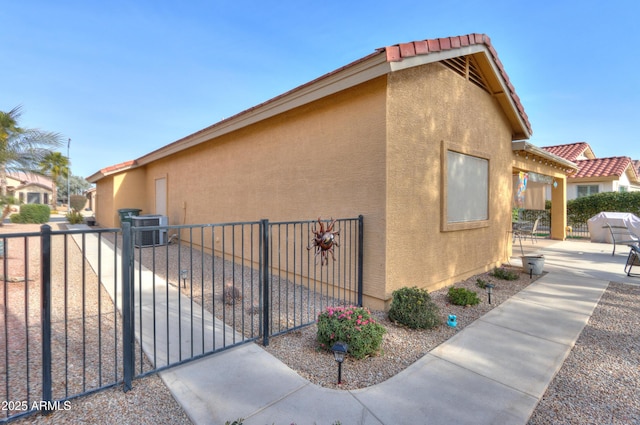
(151, 237)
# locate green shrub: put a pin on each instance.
(16, 218)
(74, 217)
(504, 274)
(481, 283)
(353, 325)
(32, 213)
(462, 296)
(413, 307)
(580, 210)
(77, 202)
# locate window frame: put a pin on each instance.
(445, 225)
(589, 187)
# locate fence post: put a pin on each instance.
(128, 345)
(264, 277)
(360, 258)
(45, 309)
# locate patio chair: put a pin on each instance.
(621, 235)
(531, 231)
(632, 260)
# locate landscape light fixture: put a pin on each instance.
(489, 290)
(339, 352)
(184, 274)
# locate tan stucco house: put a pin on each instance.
(421, 138)
(30, 188)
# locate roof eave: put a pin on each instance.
(358, 72)
(114, 169)
(524, 146)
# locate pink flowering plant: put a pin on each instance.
(353, 325)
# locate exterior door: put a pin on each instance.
(161, 196)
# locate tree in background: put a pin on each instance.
(21, 149)
(55, 165)
(77, 186)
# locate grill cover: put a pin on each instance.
(598, 234)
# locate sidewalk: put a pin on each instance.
(492, 372)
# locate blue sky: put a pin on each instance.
(123, 78)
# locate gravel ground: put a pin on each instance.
(599, 382)
(606, 355)
(401, 346)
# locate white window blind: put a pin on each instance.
(467, 188)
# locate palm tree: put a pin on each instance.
(55, 165)
(22, 149)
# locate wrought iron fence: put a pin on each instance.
(87, 309)
(61, 335)
(578, 229)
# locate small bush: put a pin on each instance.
(462, 296)
(353, 325)
(32, 213)
(481, 283)
(413, 307)
(504, 274)
(74, 217)
(231, 293)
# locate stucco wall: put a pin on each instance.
(324, 159)
(428, 105)
(104, 211)
(375, 149)
(123, 190)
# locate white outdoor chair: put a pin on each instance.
(531, 231)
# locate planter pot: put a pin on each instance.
(533, 264)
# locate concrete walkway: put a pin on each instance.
(492, 372)
(169, 325)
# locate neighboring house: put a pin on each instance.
(91, 199)
(30, 188)
(421, 138)
(596, 175)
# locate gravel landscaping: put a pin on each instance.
(401, 346)
(598, 383)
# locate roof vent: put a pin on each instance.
(466, 67)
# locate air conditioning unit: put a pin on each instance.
(142, 238)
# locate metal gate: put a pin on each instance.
(95, 310)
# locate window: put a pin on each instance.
(623, 189)
(33, 198)
(465, 189)
(586, 190)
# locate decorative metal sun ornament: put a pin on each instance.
(324, 240)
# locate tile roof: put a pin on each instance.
(570, 151)
(602, 167)
(122, 165)
(401, 51)
(112, 169)
(31, 178)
